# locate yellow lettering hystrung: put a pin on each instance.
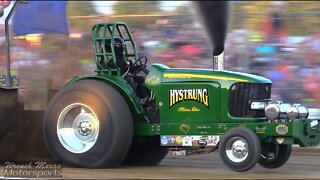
(178, 95)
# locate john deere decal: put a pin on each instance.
(199, 95)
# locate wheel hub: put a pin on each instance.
(237, 149)
(84, 128)
(77, 128)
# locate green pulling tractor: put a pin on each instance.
(126, 114)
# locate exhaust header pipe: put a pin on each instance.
(218, 61)
(214, 16)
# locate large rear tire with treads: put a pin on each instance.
(88, 124)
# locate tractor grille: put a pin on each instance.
(242, 94)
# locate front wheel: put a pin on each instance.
(88, 124)
(274, 156)
(240, 149)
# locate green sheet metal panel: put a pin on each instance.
(189, 102)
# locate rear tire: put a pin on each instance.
(240, 149)
(88, 124)
(274, 156)
(149, 153)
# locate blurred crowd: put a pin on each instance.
(293, 65)
(175, 47)
(291, 62)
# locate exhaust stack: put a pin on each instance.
(214, 16)
(218, 61)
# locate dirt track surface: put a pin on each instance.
(303, 164)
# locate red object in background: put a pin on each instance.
(269, 29)
(4, 3)
(3, 58)
(25, 44)
(312, 86)
(190, 50)
(174, 149)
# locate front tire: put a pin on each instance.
(274, 156)
(88, 124)
(240, 149)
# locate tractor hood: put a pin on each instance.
(186, 74)
(163, 74)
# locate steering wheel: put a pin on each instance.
(139, 65)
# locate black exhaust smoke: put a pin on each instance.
(215, 18)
